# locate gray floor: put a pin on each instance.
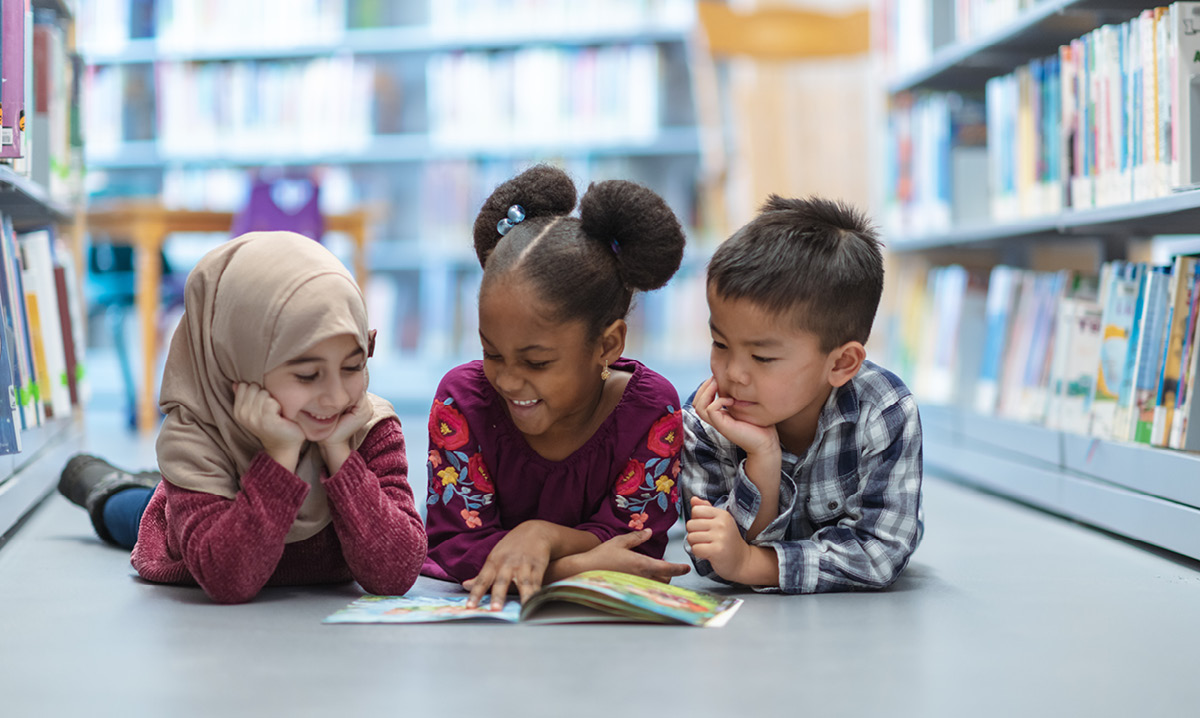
(1004, 611)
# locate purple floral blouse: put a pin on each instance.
(484, 479)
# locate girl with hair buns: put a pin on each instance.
(277, 466)
(555, 454)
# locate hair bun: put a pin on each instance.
(649, 239)
(542, 191)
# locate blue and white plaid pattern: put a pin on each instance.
(849, 508)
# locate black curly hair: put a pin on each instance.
(625, 239)
(818, 259)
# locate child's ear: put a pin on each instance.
(612, 341)
(846, 361)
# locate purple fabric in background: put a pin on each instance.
(263, 214)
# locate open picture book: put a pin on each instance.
(592, 596)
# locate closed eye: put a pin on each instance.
(354, 369)
(718, 345)
(763, 360)
(306, 378)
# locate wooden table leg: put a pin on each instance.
(148, 238)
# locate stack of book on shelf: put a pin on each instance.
(1106, 121)
(1112, 357)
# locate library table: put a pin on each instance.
(146, 225)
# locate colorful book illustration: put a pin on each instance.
(1147, 364)
(1182, 281)
(39, 266)
(1120, 305)
(590, 597)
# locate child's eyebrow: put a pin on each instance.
(305, 360)
(529, 348)
(764, 343)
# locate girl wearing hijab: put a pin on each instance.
(277, 466)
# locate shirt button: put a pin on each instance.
(832, 505)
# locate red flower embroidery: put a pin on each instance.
(630, 478)
(638, 522)
(472, 518)
(478, 473)
(447, 427)
(666, 436)
(674, 498)
(435, 459)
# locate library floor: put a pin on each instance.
(1003, 611)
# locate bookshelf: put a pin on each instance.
(1133, 490)
(418, 110)
(30, 203)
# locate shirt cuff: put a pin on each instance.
(799, 567)
(745, 501)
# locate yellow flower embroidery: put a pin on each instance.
(663, 484)
(448, 475)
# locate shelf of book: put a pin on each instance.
(1083, 347)
(967, 65)
(388, 41)
(1136, 491)
(1177, 213)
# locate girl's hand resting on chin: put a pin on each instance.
(258, 412)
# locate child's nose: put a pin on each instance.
(335, 394)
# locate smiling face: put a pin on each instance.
(777, 374)
(317, 387)
(547, 372)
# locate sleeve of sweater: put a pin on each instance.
(232, 546)
(376, 520)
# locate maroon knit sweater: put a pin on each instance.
(234, 547)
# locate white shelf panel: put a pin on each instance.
(412, 147)
(1139, 492)
(32, 474)
(394, 40)
(1036, 33)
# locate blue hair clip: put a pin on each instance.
(516, 215)
(616, 247)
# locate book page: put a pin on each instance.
(421, 609)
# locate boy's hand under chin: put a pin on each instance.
(713, 410)
(713, 536)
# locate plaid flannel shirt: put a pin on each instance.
(849, 508)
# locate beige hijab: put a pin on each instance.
(250, 305)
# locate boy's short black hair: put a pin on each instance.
(816, 258)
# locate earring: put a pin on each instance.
(605, 373)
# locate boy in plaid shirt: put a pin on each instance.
(802, 460)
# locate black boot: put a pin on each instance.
(89, 481)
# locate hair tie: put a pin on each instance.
(616, 247)
(516, 215)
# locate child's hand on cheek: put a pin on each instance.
(349, 422)
(714, 536)
(258, 412)
(335, 448)
(713, 410)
